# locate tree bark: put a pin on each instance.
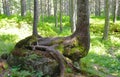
(82, 27)
(61, 15)
(73, 13)
(0, 7)
(35, 22)
(49, 8)
(23, 7)
(97, 7)
(118, 12)
(106, 26)
(115, 8)
(42, 11)
(55, 13)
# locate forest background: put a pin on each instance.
(59, 19)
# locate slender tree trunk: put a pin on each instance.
(45, 7)
(42, 11)
(92, 6)
(29, 6)
(23, 7)
(48, 8)
(61, 15)
(55, 13)
(73, 14)
(115, 8)
(10, 6)
(35, 22)
(6, 8)
(106, 27)
(118, 12)
(97, 7)
(0, 7)
(66, 5)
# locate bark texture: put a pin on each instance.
(35, 22)
(106, 27)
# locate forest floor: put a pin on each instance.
(103, 59)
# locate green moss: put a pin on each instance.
(27, 41)
(60, 48)
(58, 41)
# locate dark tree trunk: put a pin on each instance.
(82, 27)
(78, 43)
(35, 22)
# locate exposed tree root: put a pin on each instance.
(51, 47)
(57, 56)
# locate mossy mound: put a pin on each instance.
(43, 54)
(32, 60)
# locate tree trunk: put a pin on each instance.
(97, 7)
(45, 7)
(73, 16)
(118, 12)
(0, 7)
(115, 8)
(42, 11)
(66, 7)
(35, 22)
(55, 13)
(82, 27)
(106, 26)
(48, 8)
(61, 15)
(23, 7)
(6, 8)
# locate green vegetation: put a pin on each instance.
(103, 58)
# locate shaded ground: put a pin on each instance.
(5, 72)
